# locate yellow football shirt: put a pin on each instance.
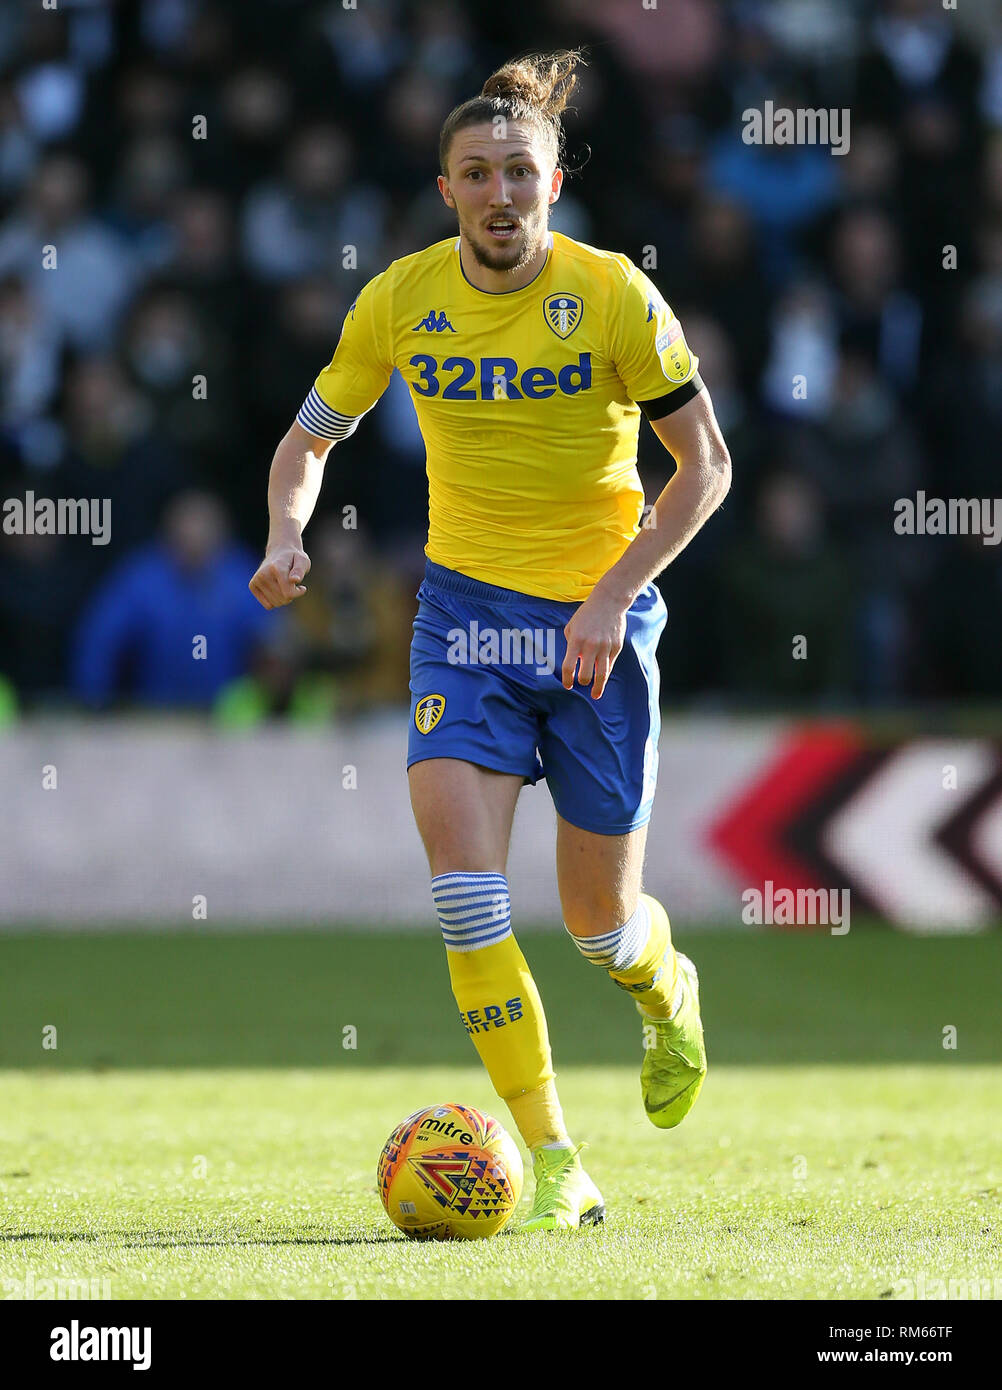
(528, 400)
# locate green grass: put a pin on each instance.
(200, 1131)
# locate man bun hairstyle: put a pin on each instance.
(533, 90)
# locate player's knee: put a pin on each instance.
(449, 858)
(596, 915)
(617, 946)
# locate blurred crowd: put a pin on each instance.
(198, 169)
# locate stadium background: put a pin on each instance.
(221, 981)
(207, 172)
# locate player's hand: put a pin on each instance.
(594, 640)
(279, 576)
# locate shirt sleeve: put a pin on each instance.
(358, 373)
(650, 352)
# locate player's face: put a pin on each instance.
(494, 181)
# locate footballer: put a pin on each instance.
(530, 358)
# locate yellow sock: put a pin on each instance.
(655, 994)
(498, 1000)
(538, 1116)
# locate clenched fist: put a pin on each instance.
(279, 576)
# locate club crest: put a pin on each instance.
(563, 313)
(428, 712)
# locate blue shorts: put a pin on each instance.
(485, 688)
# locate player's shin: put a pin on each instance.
(639, 957)
(498, 1000)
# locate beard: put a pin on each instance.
(515, 254)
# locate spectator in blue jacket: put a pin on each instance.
(174, 621)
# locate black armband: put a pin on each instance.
(665, 405)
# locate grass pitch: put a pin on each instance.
(201, 1131)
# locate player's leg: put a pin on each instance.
(627, 933)
(464, 815)
(468, 716)
(601, 760)
(613, 924)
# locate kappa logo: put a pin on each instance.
(434, 323)
(563, 313)
(428, 712)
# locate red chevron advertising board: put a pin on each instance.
(912, 830)
(162, 825)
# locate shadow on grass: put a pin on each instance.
(162, 1241)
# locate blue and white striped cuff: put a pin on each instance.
(619, 949)
(316, 416)
(473, 909)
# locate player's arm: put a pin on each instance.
(596, 632)
(700, 483)
(297, 471)
(343, 392)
